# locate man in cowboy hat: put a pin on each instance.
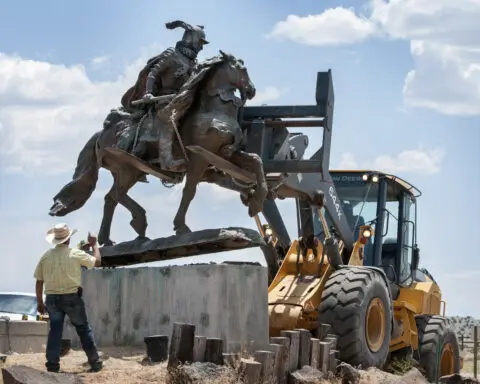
(162, 75)
(60, 272)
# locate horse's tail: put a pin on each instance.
(76, 193)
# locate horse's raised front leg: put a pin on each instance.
(195, 169)
(253, 162)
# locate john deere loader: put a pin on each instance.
(355, 263)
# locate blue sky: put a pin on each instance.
(407, 100)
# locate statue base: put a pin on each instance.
(191, 244)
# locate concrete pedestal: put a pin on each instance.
(229, 301)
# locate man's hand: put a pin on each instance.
(92, 240)
(41, 307)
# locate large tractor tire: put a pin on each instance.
(437, 347)
(357, 304)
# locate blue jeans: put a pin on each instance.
(73, 306)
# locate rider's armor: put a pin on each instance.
(164, 74)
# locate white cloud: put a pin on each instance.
(419, 161)
(48, 111)
(333, 26)
(267, 94)
(99, 60)
(444, 37)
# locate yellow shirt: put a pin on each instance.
(60, 269)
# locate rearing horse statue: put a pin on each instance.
(204, 114)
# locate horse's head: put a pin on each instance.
(234, 72)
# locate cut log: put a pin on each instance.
(267, 359)
(279, 362)
(324, 357)
(214, 351)
(282, 370)
(304, 350)
(294, 337)
(306, 375)
(314, 352)
(332, 339)
(322, 331)
(20, 374)
(249, 371)
(230, 359)
(181, 346)
(199, 346)
(332, 363)
(157, 348)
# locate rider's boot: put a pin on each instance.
(167, 162)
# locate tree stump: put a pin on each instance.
(332, 361)
(157, 347)
(20, 374)
(304, 350)
(267, 359)
(332, 339)
(322, 331)
(314, 352)
(181, 346)
(199, 345)
(214, 351)
(230, 359)
(294, 337)
(279, 362)
(324, 357)
(282, 370)
(249, 371)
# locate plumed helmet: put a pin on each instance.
(194, 35)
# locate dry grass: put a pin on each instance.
(468, 362)
(121, 366)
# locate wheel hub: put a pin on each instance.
(447, 360)
(375, 324)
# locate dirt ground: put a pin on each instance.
(121, 366)
(128, 366)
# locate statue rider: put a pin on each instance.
(163, 74)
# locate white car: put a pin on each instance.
(18, 306)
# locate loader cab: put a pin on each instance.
(388, 204)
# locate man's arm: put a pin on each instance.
(163, 61)
(97, 255)
(38, 275)
(39, 293)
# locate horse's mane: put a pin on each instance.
(180, 104)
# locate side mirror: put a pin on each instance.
(415, 258)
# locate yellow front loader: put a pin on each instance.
(355, 263)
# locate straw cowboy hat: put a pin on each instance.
(60, 233)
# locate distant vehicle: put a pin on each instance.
(19, 306)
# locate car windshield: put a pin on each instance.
(21, 304)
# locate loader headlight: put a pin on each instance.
(372, 177)
(268, 232)
(367, 233)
